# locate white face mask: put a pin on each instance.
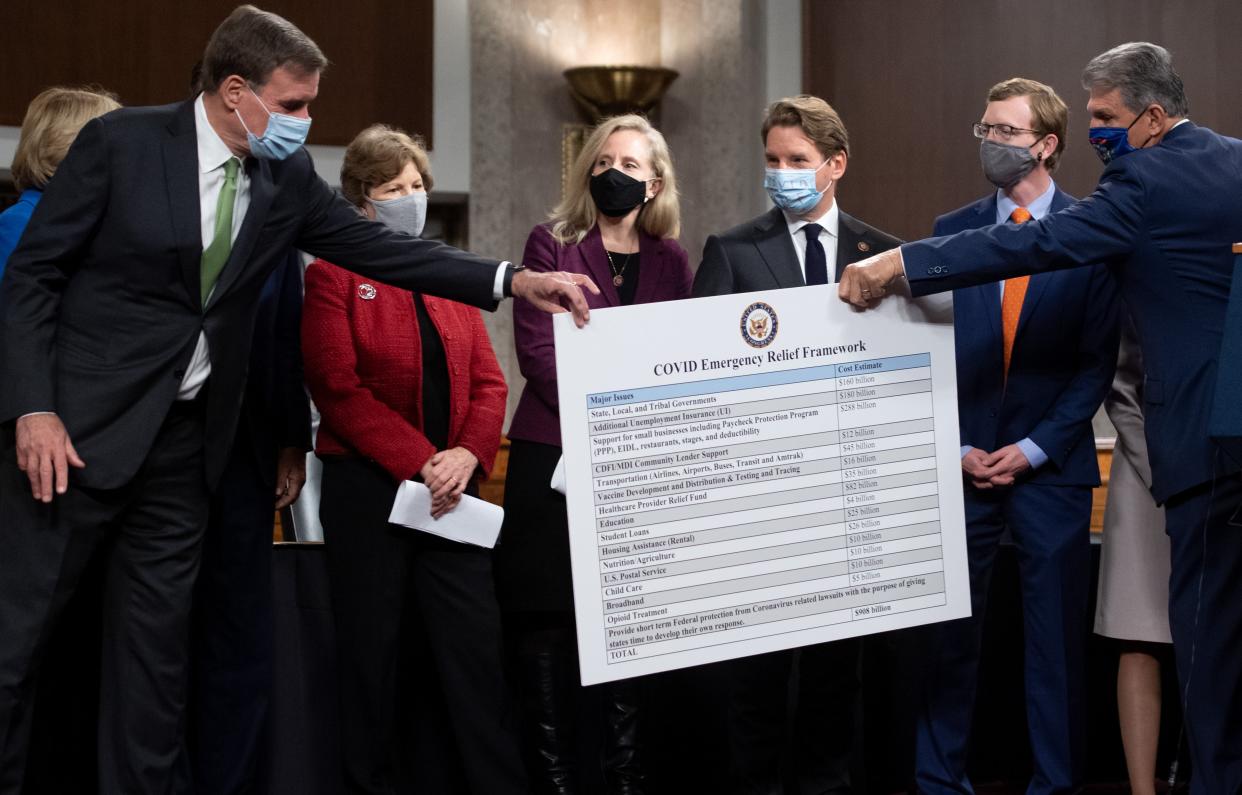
(404, 214)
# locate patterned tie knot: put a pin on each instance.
(812, 231)
(1020, 215)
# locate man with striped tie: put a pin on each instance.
(1035, 357)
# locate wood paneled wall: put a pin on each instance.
(910, 76)
(381, 54)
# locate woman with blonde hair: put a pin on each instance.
(618, 224)
(52, 122)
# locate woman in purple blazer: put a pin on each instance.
(618, 224)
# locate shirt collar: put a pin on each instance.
(828, 220)
(1038, 208)
(212, 151)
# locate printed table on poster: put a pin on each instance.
(756, 472)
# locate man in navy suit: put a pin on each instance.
(1035, 358)
(1165, 214)
(806, 239)
(126, 318)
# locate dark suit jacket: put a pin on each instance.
(276, 411)
(364, 367)
(100, 302)
(1164, 218)
(759, 254)
(664, 276)
(1063, 359)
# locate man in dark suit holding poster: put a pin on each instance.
(128, 311)
(1165, 214)
(804, 240)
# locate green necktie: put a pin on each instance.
(216, 254)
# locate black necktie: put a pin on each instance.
(816, 263)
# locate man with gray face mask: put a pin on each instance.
(1035, 357)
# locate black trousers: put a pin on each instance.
(380, 574)
(822, 741)
(1205, 616)
(155, 524)
(231, 676)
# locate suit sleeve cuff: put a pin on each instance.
(1034, 456)
(498, 284)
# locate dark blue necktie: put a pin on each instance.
(816, 263)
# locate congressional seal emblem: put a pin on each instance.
(759, 325)
(366, 291)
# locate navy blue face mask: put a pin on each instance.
(1111, 143)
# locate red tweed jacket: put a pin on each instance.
(363, 360)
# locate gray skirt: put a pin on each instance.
(1133, 598)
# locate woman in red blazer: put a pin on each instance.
(408, 388)
(618, 224)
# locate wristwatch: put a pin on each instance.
(507, 288)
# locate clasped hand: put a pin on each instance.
(446, 474)
(1001, 468)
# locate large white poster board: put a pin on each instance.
(756, 472)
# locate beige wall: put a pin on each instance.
(520, 101)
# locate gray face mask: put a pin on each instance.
(405, 214)
(1005, 165)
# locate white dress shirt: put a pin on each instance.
(212, 155)
(830, 221)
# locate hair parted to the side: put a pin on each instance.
(1049, 115)
(53, 120)
(376, 155)
(818, 120)
(576, 214)
(252, 44)
(1144, 74)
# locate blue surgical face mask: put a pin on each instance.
(793, 189)
(1111, 143)
(284, 135)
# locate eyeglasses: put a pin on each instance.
(1004, 132)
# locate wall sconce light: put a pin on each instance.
(609, 90)
(600, 91)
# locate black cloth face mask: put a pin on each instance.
(616, 194)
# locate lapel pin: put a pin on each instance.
(864, 246)
(366, 292)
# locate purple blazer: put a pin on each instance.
(664, 276)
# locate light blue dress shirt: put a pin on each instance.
(1038, 209)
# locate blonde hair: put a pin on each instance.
(576, 214)
(52, 122)
(377, 154)
(815, 117)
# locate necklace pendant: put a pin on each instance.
(618, 280)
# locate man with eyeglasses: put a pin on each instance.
(1165, 214)
(1035, 357)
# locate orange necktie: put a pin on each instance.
(1011, 304)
